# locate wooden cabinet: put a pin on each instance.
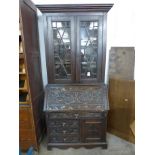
(75, 42)
(76, 115)
(30, 79)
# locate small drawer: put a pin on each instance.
(93, 122)
(92, 115)
(93, 139)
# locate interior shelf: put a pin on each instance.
(20, 47)
(22, 69)
(23, 98)
(19, 32)
(21, 55)
(23, 85)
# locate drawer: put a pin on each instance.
(25, 118)
(62, 115)
(92, 115)
(53, 131)
(59, 138)
(26, 135)
(93, 139)
(76, 115)
(63, 124)
(91, 124)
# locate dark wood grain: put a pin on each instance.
(75, 8)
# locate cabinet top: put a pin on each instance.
(76, 97)
(74, 8)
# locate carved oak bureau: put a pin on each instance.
(76, 102)
(76, 115)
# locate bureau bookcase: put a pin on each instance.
(76, 102)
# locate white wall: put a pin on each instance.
(120, 22)
(120, 27)
(42, 48)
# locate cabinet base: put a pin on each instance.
(76, 145)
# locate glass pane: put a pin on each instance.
(62, 49)
(89, 48)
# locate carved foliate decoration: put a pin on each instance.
(76, 97)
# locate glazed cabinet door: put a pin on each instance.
(89, 48)
(61, 49)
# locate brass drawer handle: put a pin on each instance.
(64, 132)
(63, 124)
(76, 115)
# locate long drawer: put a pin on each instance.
(61, 138)
(75, 115)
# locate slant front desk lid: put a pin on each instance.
(77, 97)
